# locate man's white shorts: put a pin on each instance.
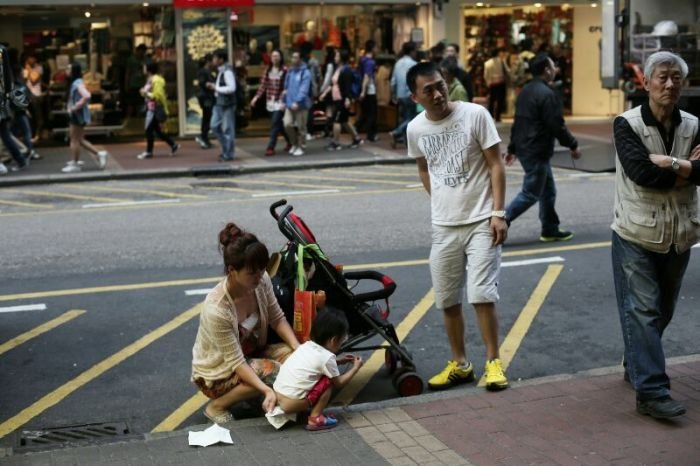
(456, 247)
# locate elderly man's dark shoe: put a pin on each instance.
(660, 408)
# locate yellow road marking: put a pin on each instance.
(36, 331)
(221, 188)
(334, 178)
(27, 204)
(198, 281)
(413, 175)
(136, 191)
(179, 416)
(32, 192)
(376, 360)
(277, 183)
(95, 371)
(522, 324)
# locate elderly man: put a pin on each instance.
(655, 225)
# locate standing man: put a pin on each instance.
(223, 119)
(455, 145)
(368, 95)
(538, 121)
(297, 85)
(495, 76)
(655, 225)
(401, 93)
(206, 99)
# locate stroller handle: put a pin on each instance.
(384, 293)
(280, 217)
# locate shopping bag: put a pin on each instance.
(305, 302)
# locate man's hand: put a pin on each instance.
(347, 103)
(362, 96)
(660, 160)
(210, 86)
(510, 159)
(695, 154)
(294, 107)
(576, 153)
(499, 230)
(253, 101)
(270, 401)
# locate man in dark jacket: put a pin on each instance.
(538, 121)
(205, 96)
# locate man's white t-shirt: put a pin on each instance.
(303, 369)
(460, 184)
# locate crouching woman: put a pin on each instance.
(231, 360)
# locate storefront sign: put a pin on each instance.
(212, 3)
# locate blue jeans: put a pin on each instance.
(647, 286)
(407, 108)
(25, 130)
(6, 136)
(223, 124)
(538, 186)
(276, 129)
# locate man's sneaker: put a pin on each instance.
(356, 143)
(269, 152)
(174, 149)
(144, 155)
(102, 157)
(34, 155)
(660, 408)
(288, 148)
(202, 143)
(560, 235)
(452, 375)
(3, 169)
(309, 137)
(333, 146)
(71, 167)
(494, 375)
(298, 153)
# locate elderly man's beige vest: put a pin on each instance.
(652, 218)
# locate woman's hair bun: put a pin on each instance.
(230, 234)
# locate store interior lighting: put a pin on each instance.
(594, 5)
(538, 5)
(88, 14)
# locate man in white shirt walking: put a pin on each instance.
(495, 75)
(223, 119)
(455, 145)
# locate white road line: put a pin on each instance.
(292, 193)
(130, 203)
(415, 185)
(696, 246)
(543, 260)
(198, 292)
(26, 307)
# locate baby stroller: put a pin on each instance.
(366, 317)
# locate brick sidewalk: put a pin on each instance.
(586, 419)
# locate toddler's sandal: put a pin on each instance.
(321, 423)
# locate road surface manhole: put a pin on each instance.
(57, 436)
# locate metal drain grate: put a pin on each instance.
(30, 439)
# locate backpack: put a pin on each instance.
(20, 96)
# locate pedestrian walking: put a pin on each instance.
(223, 120)
(307, 378)
(33, 73)
(455, 145)
(7, 96)
(401, 94)
(205, 96)
(315, 86)
(326, 86)
(368, 95)
(79, 116)
(20, 105)
(538, 121)
(456, 91)
(272, 86)
(464, 76)
(496, 77)
(297, 85)
(341, 90)
(156, 111)
(231, 359)
(654, 225)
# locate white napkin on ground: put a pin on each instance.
(210, 436)
(279, 418)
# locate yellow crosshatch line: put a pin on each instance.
(135, 191)
(32, 192)
(205, 280)
(180, 415)
(335, 178)
(36, 331)
(413, 175)
(57, 395)
(27, 204)
(265, 181)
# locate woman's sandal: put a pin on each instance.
(321, 423)
(218, 418)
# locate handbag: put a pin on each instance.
(305, 302)
(159, 114)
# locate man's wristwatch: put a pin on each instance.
(498, 213)
(674, 164)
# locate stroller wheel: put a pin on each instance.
(409, 384)
(391, 360)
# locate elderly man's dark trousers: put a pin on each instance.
(647, 286)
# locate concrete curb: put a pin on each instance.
(199, 171)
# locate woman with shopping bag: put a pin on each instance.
(231, 359)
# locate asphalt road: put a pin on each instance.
(127, 253)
